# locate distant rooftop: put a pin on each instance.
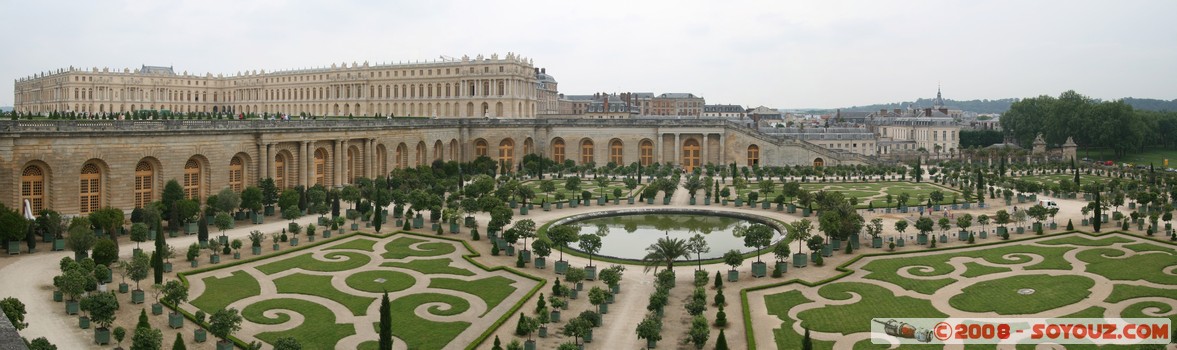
(157, 70)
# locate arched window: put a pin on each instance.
(422, 153)
(321, 167)
(558, 150)
(237, 174)
(480, 148)
(402, 156)
(32, 188)
(647, 152)
(528, 146)
(353, 164)
(90, 191)
(192, 179)
(586, 151)
(382, 160)
(615, 152)
(144, 184)
(690, 154)
(753, 155)
(507, 153)
(438, 150)
(280, 171)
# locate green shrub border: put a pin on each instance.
(844, 271)
(469, 257)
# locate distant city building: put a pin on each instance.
(677, 104)
(763, 115)
(724, 111)
(546, 93)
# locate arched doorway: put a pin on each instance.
(144, 184)
(647, 154)
(237, 174)
(616, 152)
(586, 152)
(192, 177)
(32, 188)
(753, 155)
(480, 148)
(321, 167)
(690, 154)
(507, 153)
(558, 150)
(818, 162)
(90, 192)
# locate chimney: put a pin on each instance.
(927, 112)
(543, 70)
(537, 71)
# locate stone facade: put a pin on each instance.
(503, 87)
(126, 163)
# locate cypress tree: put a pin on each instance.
(385, 324)
(1076, 170)
(157, 257)
(202, 232)
(721, 342)
(378, 221)
(806, 343)
(179, 344)
(335, 204)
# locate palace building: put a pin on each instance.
(499, 107)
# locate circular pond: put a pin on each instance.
(631, 232)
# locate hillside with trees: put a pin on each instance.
(1114, 125)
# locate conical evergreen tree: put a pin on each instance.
(385, 324)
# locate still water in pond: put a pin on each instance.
(629, 235)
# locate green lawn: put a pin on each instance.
(856, 317)
(340, 261)
(366, 245)
(1156, 156)
(399, 248)
(420, 333)
(321, 286)
(394, 281)
(492, 290)
(1084, 241)
(228, 290)
(586, 184)
(1109, 263)
(885, 269)
(1053, 179)
(786, 338)
(319, 330)
(1001, 295)
(431, 267)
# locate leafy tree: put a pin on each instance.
(924, 225)
(289, 205)
(269, 191)
(699, 332)
(758, 236)
(944, 224)
(591, 244)
(781, 251)
(120, 333)
(799, 231)
(138, 269)
(105, 252)
(174, 293)
(964, 221)
(227, 200)
(41, 344)
(15, 310)
(147, 338)
(650, 328)
(102, 308)
(224, 323)
(13, 225)
(733, 258)
(287, 343)
(698, 244)
(252, 199)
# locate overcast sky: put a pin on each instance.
(774, 53)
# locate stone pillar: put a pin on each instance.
(269, 162)
(303, 167)
(340, 164)
(374, 162)
(658, 148)
(677, 157)
(723, 154)
(703, 151)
